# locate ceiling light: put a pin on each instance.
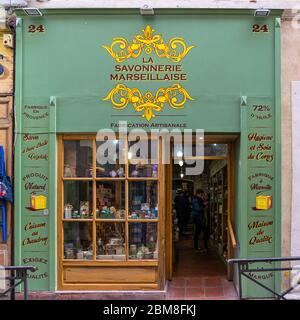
(262, 13)
(180, 163)
(146, 11)
(33, 12)
(179, 154)
(181, 175)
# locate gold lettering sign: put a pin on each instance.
(121, 50)
(120, 96)
(148, 104)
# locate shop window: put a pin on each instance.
(143, 240)
(110, 164)
(110, 197)
(143, 159)
(78, 241)
(143, 200)
(111, 241)
(78, 158)
(109, 213)
(78, 200)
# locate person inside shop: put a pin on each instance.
(198, 216)
(187, 213)
(182, 210)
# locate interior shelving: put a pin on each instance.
(219, 211)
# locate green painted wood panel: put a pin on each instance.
(68, 62)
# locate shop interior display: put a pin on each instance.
(78, 200)
(110, 241)
(78, 157)
(219, 211)
(78, 241)
(97, 212)
(143, 200)
(143, 160)
(97, 203)
(110, 200)
(214, 182)
(143, 170)
(190, 150)
(218, 150)
(143, 240)
(110, 166)
(111, 171)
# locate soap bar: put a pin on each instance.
(263, 202)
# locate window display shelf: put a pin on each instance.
(134, 161)
(142, 220)
(75, 262)
(110, 179)
(78, 220)
(143, 217)
(144, 260)
(78, 179)
(110, 220)
(142, 179)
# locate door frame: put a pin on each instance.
(209, 139)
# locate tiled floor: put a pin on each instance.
(199, 276)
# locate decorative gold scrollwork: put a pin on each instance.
(121, 50)
(121, 95)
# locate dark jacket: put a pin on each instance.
(198, 207)
(181, 204)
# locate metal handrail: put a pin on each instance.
(246, 271)
(276, 259)
(232, 235)
(17, 273)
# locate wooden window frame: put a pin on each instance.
(60, 209)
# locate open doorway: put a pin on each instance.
(217, 182)
(200, 244)
(194, 273)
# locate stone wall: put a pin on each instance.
(290, 73)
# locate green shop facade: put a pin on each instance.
(79, 71)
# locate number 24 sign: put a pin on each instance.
(36, 29)
(257, 28)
